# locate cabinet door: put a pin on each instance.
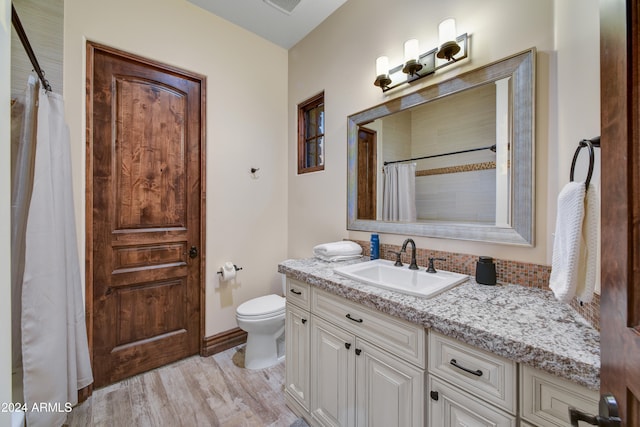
(297, 342)
(451, 407)
(389, 391)
(332, 374)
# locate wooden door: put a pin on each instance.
(367, 176)
(620, 147)
(144, 210)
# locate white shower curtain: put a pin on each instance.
(55, 353)
(399, 196)
(23, 144)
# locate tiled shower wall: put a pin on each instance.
(513, 272)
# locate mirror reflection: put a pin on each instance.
(438, 161)
(450, 160)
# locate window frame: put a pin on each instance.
(303, 107)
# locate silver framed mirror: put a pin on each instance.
(471, 139)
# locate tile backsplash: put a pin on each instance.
(513, 272)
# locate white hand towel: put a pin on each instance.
(587, 266)
(342, 248)
(566, 244)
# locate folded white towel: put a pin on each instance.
(588, 264)
(565, 262)
(336, 258)
(342, 248)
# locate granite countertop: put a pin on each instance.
(523, 324)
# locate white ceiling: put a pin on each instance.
(270, 23)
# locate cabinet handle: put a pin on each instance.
(347, 345)
(358, 351)
(293, 291)
(434, 395)
(304, 321)
(477, 372)
(351, 318)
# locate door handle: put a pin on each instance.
(193, 252)
(608, 416)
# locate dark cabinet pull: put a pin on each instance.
(351, 318)
(347, 345)
(477, 372)
(434, 395)
(293, 291)
(358, 351)
(304, 321)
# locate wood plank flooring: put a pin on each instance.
(198, 391)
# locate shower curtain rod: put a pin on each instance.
(15, 20)
(489, 147)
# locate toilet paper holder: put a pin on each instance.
(235, 267)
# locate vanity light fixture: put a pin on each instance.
(382, 72)
(417, 65)
(411, 57)
(447, 36)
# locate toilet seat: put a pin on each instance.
(262, 307)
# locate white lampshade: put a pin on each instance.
(382, 66)
(411, 50)
(447, 31)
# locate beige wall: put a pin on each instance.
(339, 58)
(5, 212)
(246, 127)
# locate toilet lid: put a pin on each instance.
(261, 306)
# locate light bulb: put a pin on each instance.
(411, 50)
(382, 66)
(447, 31)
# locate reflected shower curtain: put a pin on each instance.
(399, 195)
(55, 353)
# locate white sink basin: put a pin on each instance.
(383, 274)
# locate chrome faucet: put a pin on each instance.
(414, 264)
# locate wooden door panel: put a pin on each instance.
(145, 153)
(136, 325)
(150, 151)
(620, 146)
(139, 257)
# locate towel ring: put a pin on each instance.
(590, 144)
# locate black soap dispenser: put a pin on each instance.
(485, 271)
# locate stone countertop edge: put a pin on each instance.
(526, 325)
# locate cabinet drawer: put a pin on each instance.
(450, 407)
(490, 377)
(403, 339)
(298, 293)
(545, 399)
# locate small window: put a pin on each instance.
(311, 134)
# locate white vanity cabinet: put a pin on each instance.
(348, 365)
(468, 386)
(297, 344)
(545, 399)
(366, 368)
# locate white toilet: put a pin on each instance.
(263, 320)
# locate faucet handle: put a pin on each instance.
(431, 268)
(398, 260)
